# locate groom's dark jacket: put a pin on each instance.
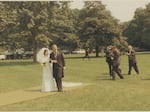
(58, 68)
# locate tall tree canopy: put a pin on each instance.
(62, 29)
(97, 26)
(138, 29)
(8, 22)
(35, 24)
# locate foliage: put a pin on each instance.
(138, 29)
(8, 18)
(121, 43)
(62, 29)
(98, 27)
(35, 24)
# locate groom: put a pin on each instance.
(58, 61)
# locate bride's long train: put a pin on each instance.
(71, 84)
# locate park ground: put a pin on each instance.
(100, 93)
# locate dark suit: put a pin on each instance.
(58, 68)
(109, 61)
(115, 64)
(132, 62)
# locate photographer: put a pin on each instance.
(115, 62)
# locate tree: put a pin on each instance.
(32, 20)
(7, 24)
(35, 24)
(98, 27)
(138, 29)
(62, 29)
(27, 25)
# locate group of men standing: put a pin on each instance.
(113, 60)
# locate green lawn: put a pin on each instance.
(131, 93)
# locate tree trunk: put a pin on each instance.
(34, 53)
(34, 49)
(97, 51)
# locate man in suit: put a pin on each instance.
(108, 59)
(58, 61)
(116, 63)
(132, 60)
(87, 51)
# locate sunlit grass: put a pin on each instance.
(132, 93)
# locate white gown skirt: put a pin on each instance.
(47, 78)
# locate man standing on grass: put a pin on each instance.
(87, 51)
(116, 63)
(58, 61)
(108, 59)
(132, 60)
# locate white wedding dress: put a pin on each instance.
(47, 77)
(48, 83)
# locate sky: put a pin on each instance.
(120, 9)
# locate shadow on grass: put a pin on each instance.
(126, 74)
(82, 57)
(106, 79)
(37, 90)
(16, 63)
(105, 76)
(145, 79)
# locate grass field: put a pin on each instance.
(131, 93)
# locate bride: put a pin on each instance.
(47, 78)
